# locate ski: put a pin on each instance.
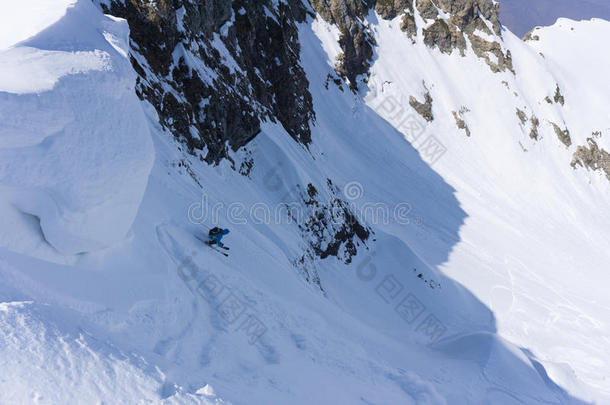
(213, 248)
(222, 253)
(207, 243)
(218, 246)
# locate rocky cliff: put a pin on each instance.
(214, 70)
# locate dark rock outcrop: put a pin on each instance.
(533, 120)
(389, 9)
(531, 36)
(534, 129)
(355, 40)
(562, 134)
(331, 226)
(408, 25)
(444, 37)
(424, 109)
(558, 97)
(215, 69)
(592, 157)
(522, 116)
(459, 121)
(467, 18)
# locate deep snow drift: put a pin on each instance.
(134, 309)
(74, 143)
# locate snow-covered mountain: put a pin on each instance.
(417, 201)
(521, 16)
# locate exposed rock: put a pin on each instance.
(548, 100)
(427, 9)
(218, 104)
(530, 36)
(389, 9)
(534, 129)
(500, 61)
(408, 25)
(331, 227)
(184, 164)
(466, 14)
(467, 19)
(558, 97)
(355, 40)
(337, 81)
(445, 37)
(458, 116)
(562, 134)
(247, 164)
(534, 122)
(424, 109)
(592, 157)
(522, 116)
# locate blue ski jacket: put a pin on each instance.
(217, 236)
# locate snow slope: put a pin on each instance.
(489, 289)
(532, 246)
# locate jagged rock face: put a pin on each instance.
(355, 41)
(531, 36)
(465, 13)
(408, 25)
(447, 35)
(424, 109)
(389, 9)
(459, 121)
(330, 228)
(533, 120)
(215, 69)
(592, 157)
(464, 22)
(558, 97)
(483, 49)
(522, 116)
(562, 134)
(215, 101)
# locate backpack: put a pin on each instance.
(215, 231)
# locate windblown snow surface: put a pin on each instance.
(491, 288)
(74, 144)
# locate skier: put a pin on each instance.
(215, 236)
